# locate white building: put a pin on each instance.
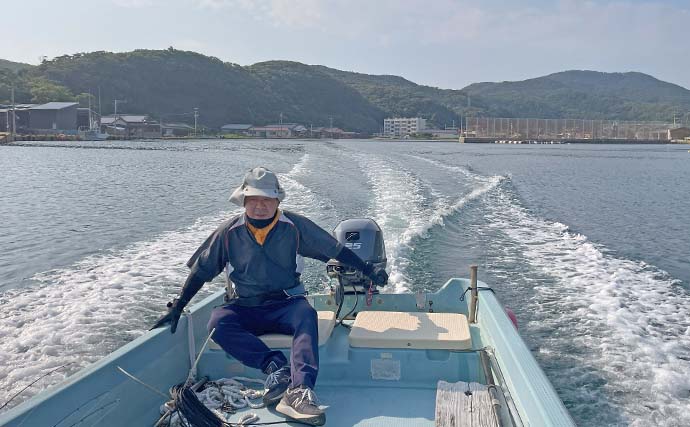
(398, 127)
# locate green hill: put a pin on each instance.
(171, 83)
(400, 97)
(166, 83)
(587, 95)
(13, 66)
(311, 96)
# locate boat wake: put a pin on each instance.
(301, 199)
(613, 334)
(80, 313)
(406, 207)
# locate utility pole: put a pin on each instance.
(120, 101)
(90, 118)
(14, 117)
(196, 117)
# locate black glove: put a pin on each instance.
(377, 274)
(172, 316)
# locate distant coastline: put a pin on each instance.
(178, 86)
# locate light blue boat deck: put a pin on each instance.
(101, 395)
(353, 397)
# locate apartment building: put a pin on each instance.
(400, 127)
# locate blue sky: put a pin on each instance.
(444, 43)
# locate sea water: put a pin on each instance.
(589, 245)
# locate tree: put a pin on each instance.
(43, 91)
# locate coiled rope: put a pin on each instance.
(213, 405)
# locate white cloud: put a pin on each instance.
(286, 13)
(246, 5)
(190, 44)
(451, 21)
(428, 41)
(533, 37)
(297, 13)
(134, 4)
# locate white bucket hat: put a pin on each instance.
(259, 181)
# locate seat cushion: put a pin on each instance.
(394, 329)
(326, 324)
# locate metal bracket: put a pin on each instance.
(420, 297)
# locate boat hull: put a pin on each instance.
(348, 378)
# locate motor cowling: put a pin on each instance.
(365, 238)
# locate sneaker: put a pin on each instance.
(300, 404)
(276, 383)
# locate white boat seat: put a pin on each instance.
(394, 329)
(326, 324)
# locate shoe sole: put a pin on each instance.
(315, 420)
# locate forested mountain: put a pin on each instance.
(168, 84)
(13, 66)
(587, 94)
(314, 97)
(400, 97)
(171, 83)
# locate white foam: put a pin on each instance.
(464, 171)
(80, 313)
(301, 199)
(404, 213)
(630, 317)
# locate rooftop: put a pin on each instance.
(129, 118)
(236, 126)
(177, 126)
(54, 106)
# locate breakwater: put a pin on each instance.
(485, 140)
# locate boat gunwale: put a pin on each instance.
(539, 406)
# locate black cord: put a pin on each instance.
(194, 413)
(479, 288)
(353, 308)
(342, 297)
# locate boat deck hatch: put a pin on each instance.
(393, 329)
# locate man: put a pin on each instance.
(262, 252)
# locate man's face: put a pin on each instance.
(259, 207)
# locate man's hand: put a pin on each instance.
(172, 316)
(377, 274)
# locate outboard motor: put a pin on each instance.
(365, 238)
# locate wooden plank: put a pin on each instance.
(464, 404)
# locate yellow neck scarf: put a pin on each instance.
(261, 233)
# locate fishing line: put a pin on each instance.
(153, 389)
(34, 382)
